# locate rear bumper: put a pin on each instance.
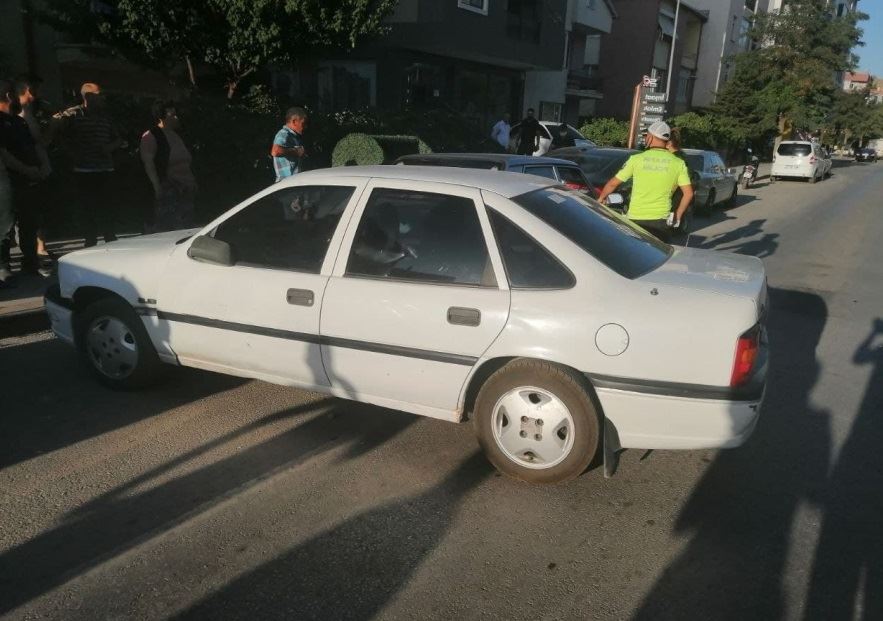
(657, 415)
(61, 313)
(649, 421)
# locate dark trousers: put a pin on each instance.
(30, 202)
(96, 206)
(657, 228)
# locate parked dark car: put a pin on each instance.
(866, 155)
(599, 164)
(560, 170)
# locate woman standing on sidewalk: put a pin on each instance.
(166, 161)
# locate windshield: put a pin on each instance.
(611, 238)
(794, 149)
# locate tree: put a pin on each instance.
(789, 78)
(236, 37)
(607, 132)
(854, 118)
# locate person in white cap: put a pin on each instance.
(656, 173)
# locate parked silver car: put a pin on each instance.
(713, 182)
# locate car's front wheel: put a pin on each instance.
(114, 343)
(536, 422)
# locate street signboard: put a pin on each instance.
(648, 82)
(650, 97)
(649, 108)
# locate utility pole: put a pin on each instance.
(671, 56)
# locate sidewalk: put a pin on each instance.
(21, 307)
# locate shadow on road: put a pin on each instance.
(120, 519)
(847, 574)
(740, 516)
(354, 569)
(41, 412)
(747, 239)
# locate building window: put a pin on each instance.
(550, 111)
(524, 20)
(751, 5)
(477, 6)
(744, 29)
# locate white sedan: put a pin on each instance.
(561, 328)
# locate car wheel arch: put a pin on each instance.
(487, 368)
(87, 295)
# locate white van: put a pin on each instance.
(800, 158)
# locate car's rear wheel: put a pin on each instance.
(536, 422)
(114, 343)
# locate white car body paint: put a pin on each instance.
(369, 338)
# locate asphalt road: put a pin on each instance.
(213, 497)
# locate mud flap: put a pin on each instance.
(612, 449)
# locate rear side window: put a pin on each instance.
(609, 237)
(421, 237)
(528, 264)
(794, 149)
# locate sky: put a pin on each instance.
(871, 53)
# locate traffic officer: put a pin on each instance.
(656, 173)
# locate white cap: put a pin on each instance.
(660, 129)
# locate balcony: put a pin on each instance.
(585, 79)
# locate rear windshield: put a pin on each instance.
(794, 149)
(599, 168)
(695, 161)
(609, 237)
(571, 177)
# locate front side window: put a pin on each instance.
(288, 229)
(528, 264)
(573, 178)
(611, 238)
(422, 237)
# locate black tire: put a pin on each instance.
(708, 207)
(570, 389)
(731, 202)
(772, 178)
(129, 354)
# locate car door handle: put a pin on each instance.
(300, 297)
(464, 316)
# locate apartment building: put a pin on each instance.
(640, 43)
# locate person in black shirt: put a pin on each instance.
(18, 151)
(529, 140)
(562, 137)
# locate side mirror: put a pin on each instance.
(210, 250)
(615, 200)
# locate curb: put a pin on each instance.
(23, 322)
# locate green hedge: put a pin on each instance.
(358, 149)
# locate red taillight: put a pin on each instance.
(812, 159)
(747, 349)
(576, 186)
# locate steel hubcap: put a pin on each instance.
(112, 347)
(533, 427)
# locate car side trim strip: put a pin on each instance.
(753, 391)
(315, 339)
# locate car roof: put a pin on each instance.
(797, 142)
(697, 151)
(507, 184)
(565, 151)
(497, 158)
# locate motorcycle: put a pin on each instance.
(749, 173)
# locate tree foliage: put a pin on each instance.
(607, 132)
(789, 78)
(236, 37)
(854, 118)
